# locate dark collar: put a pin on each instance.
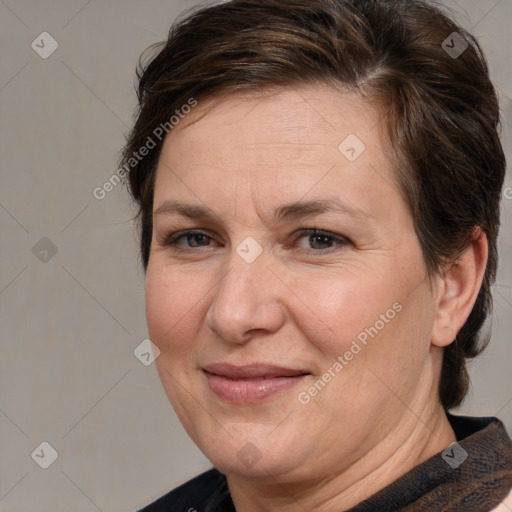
(446, 482)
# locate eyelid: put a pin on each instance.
(317, 231)
(172, 238)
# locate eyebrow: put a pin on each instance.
(186, 210)
(302, 209)
(293, 211)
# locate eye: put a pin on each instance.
(318, 240)
(189, 239)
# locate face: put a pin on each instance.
(285, 282)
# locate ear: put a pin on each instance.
(458, 290)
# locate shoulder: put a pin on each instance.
(202, 493)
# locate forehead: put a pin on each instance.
(308, 118)
(309, 140)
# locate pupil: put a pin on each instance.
(319, 240)
(195, 240)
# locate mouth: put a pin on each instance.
(251, 383)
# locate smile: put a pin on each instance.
(250, 383)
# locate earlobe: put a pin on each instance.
(458, 290)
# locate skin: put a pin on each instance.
(301, 303)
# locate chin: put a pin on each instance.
(242, 449)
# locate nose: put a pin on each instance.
(246, 302)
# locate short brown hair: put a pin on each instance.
(442, 113)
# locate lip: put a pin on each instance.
(250, 383)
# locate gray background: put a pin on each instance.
(69, 326)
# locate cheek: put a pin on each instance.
(172, 305)
(372, 318)
(337, 310)
(375, 329)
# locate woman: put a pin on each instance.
(319, 188)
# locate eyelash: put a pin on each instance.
(173, 239)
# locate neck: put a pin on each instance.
(397, 453)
